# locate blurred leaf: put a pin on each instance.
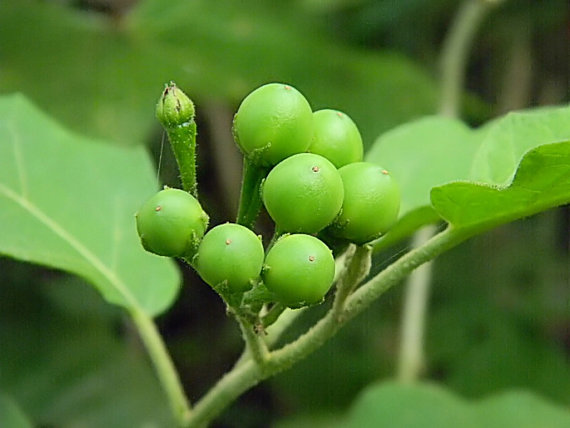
(72, 368)
(508, 138)
(68, 203)
(421, 155)
(313, 420)
(426, 405)
(11, 416)
(542, 181)
(104, 77)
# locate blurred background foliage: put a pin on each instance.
(500, 310)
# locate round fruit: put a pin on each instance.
(336, 137)
(230, 253)
(371, 202)
(303, 193)
(171, 223)
(299, 269)
(273, 122)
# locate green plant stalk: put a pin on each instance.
(273, 314)
(357, 267)
(164, 367)
(255, 346)
(183, 142)
(416, 294)
(454, 56)
(250, 195)
(278, 328)
(455, 51)
(247, 374)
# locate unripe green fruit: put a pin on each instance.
(171, 223)
(303, 193)
(371, 203)
(273, 122)
(299, 269)
(230, 253)
(336, 137)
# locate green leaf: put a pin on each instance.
(420, 155)
(542, 181)
(435, 151)
(68, 203)
(11, 415)
(506, 140)
(428, 405)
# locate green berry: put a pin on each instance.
(299, 269)
(171, 223)
(230, 254)
(303, 193)
(371, 202)
(273, 122)
(336, 137)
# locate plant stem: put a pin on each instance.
(250, 196)
(416, 295)
(256, 347)
(183, 142)
(248, 373)
(454, 56)
(356, 269)
(164, 367)
(273, 314)
(455, 51)
(278, 328)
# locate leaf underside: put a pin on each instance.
(68, 203)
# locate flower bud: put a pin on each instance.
(174, 108)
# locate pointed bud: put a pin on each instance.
(174, 108)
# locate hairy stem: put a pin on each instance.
(356, 269)
(256, 347)
(248, 373)
(250, 196)
(164, 367)
(183, 142)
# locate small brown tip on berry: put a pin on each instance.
(287, 87)
(228, 241)
(158, 208)
(315, 169)
(339, 114)
(311, 258)
(385, 172)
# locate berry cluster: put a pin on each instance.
(306, 169)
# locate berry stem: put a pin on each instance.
(273, 314)
(356, 268)
(250, 196)
(256, 347)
